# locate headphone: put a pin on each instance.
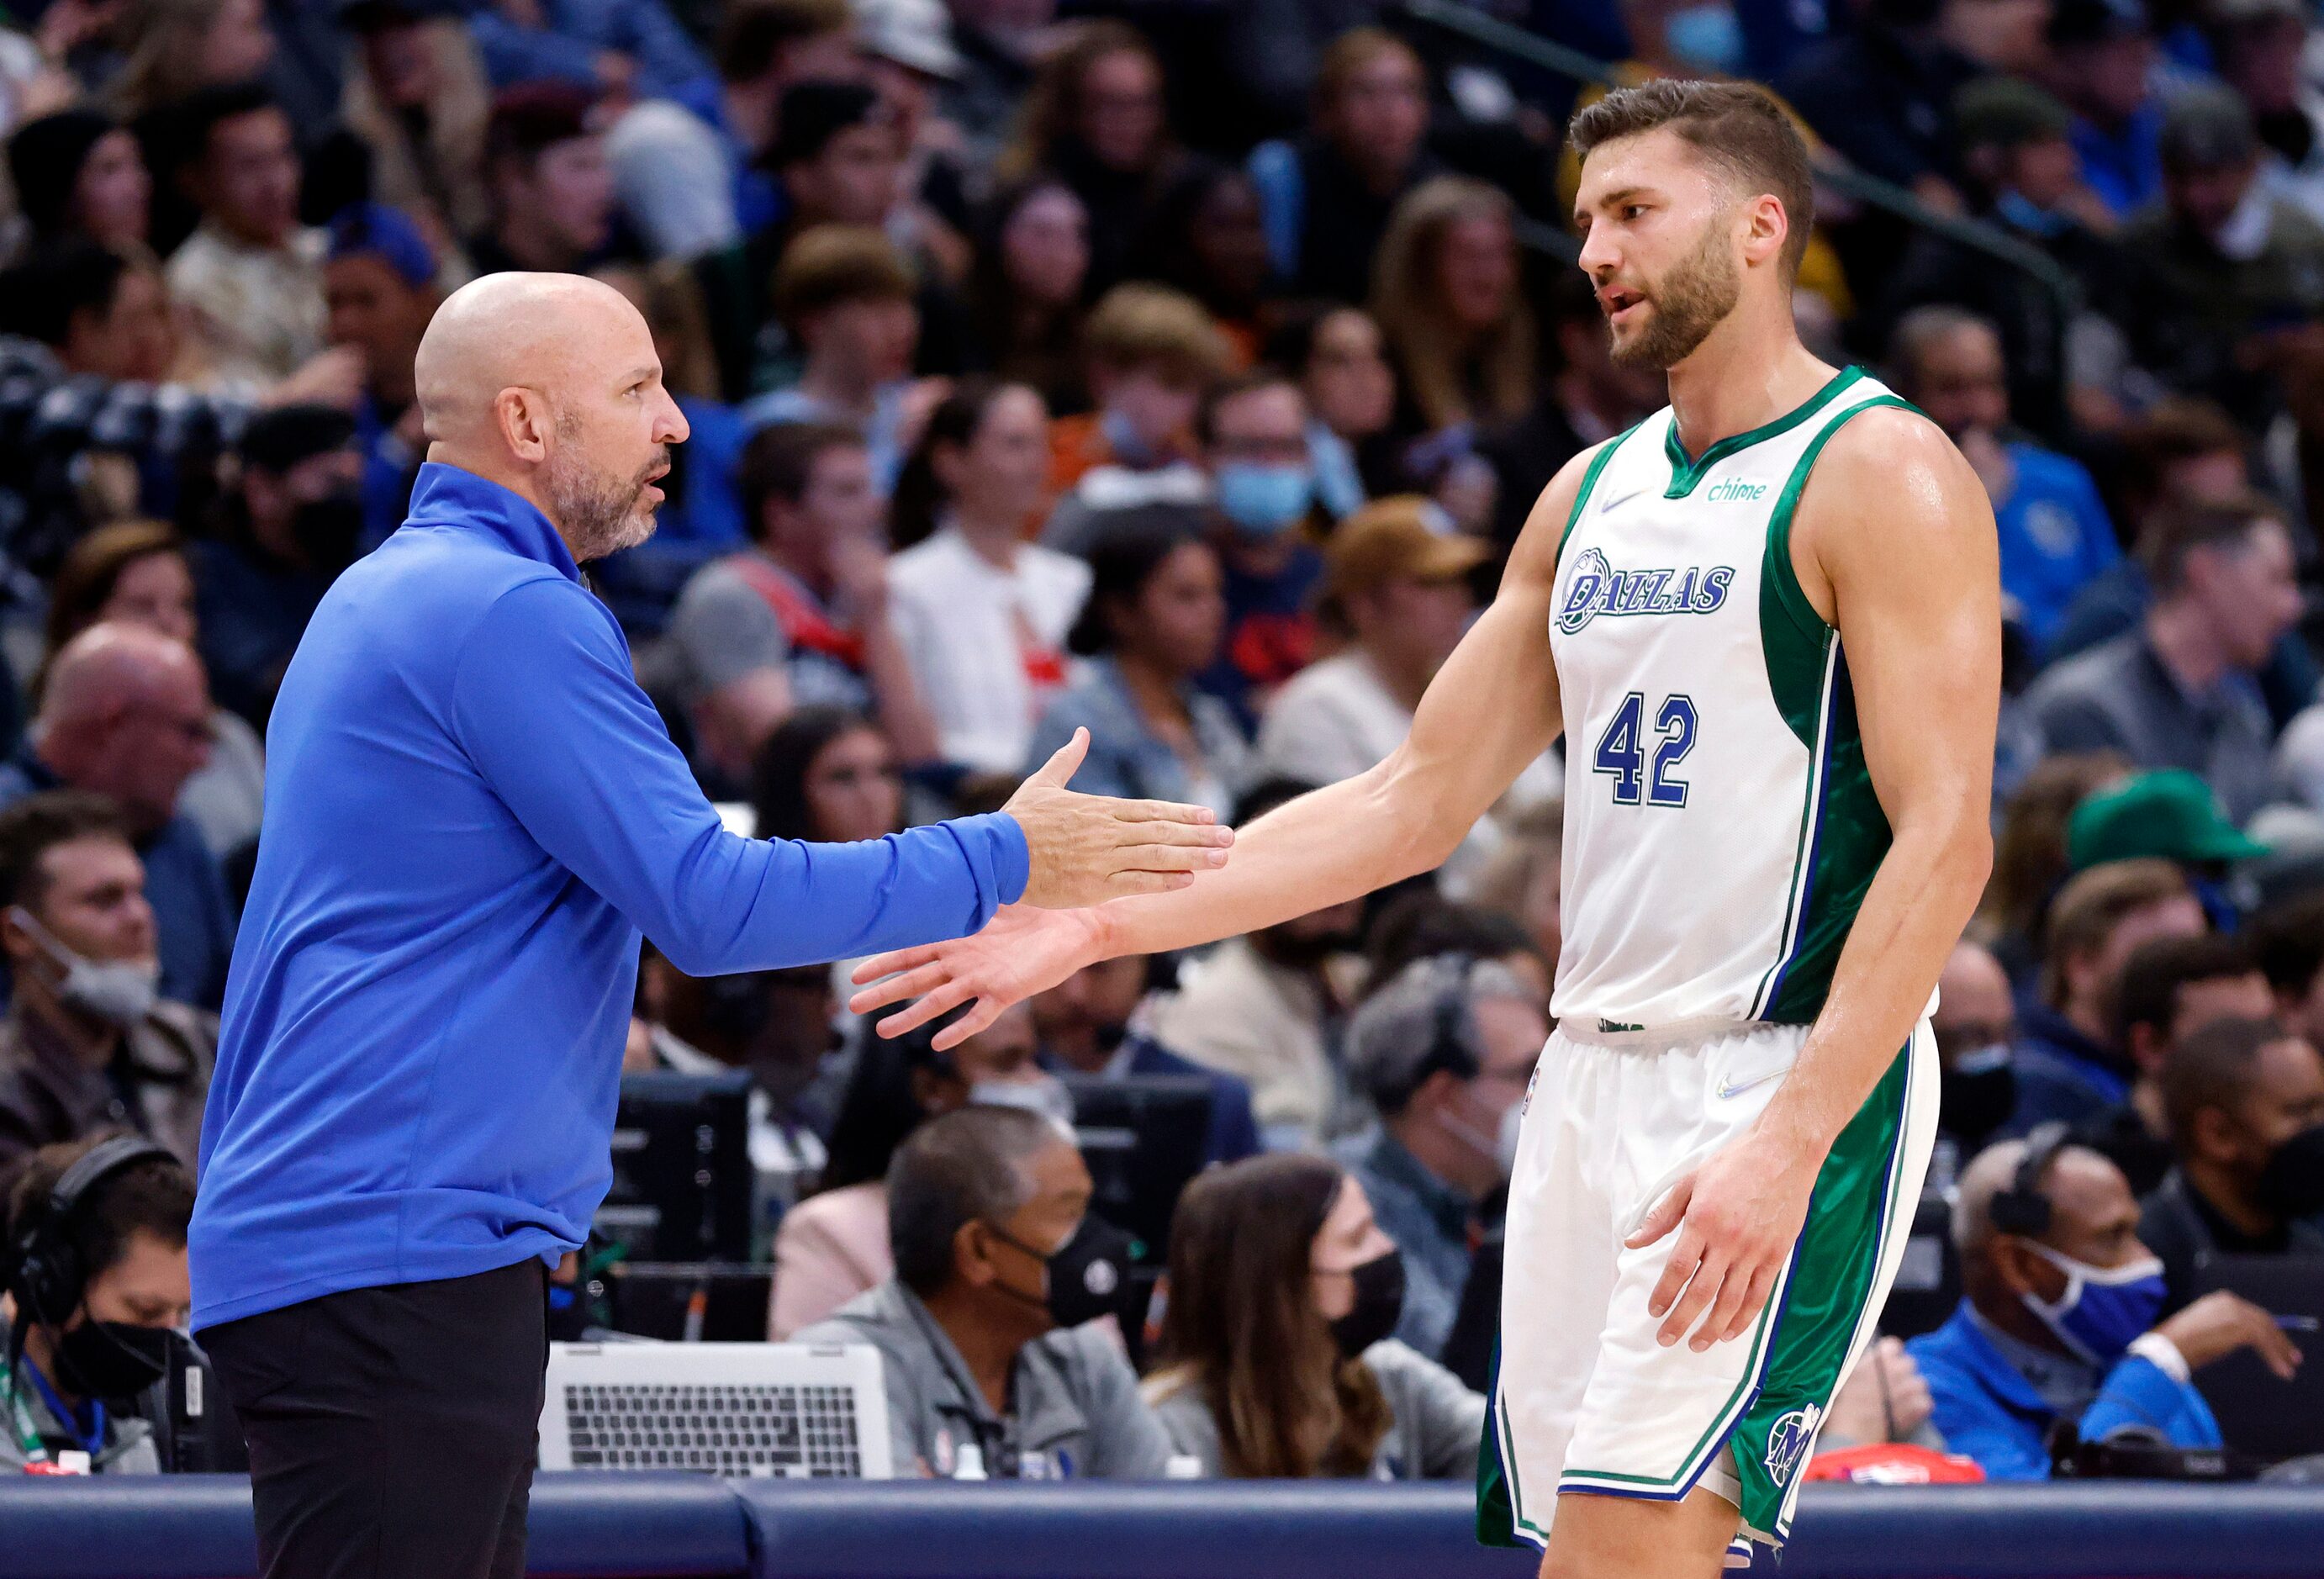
(42, 1266)
(2022, 1208)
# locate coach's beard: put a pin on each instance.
(599, 514)
(1689, 301)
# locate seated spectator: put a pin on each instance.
(125, 713)
(908, 50)
(2068, 1067)
(836, 156)
(988, 1373)
(1254, 434)
(282, 536)
(125, 1239)
(2171, 989)
(1422, 924)
(847, 298)
(1096, 116)
(2029, 854)
(1881, 92)
(835, 1245)
(1264, 1007)
(687, 167)
(2245, 1101)
(2057, 1324)
(103, 315)
(87, 1045)
(1446, 293)
(615, 47)
(2180, 691)
(2166, 814)
(178, 47)
(2233, 259)
(1025, 290)
(826, 776)
(999, 41)
(136, 573)
(801, 618)
(2102, 59)
(1204, 237)
(80, 172)
(1277, 1358)
(1088, 1025)
(1150, 351)
(1443, 1053)
(2260, 43)
(251, 276)
(416, 98)
(1975, 1027)
(378, 284)
(2288, 941)
(1153, 621)
(550, 191)
(1400, 591)
(1334, 353)
(2055, 536)
(982, 614)
(1327, 197)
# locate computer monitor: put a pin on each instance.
(2259, 1413)
(690, 1302)
(682, 1178)
(1143, 1136)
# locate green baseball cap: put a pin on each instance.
(2167, 812)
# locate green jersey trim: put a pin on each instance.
(1588, 482)
(1685, 474)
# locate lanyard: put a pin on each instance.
(92, 1441)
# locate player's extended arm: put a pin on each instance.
(1895, 545)
(1492, 709)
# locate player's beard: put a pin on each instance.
(1689, 301)
(598, 515)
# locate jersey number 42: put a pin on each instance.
(1621, 754)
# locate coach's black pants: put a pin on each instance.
(392, 1430)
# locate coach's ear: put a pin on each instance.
(526, 423)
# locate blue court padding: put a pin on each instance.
(598, 1526)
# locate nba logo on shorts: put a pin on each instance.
(1787, 1443)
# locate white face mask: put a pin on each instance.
(1501, 1144)
(120, 992)
(1047, 1097)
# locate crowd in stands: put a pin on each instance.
(1184, 372)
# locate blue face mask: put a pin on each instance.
(2103, 1308)
(1263, 500)
(2019, 212)
(1122, 439)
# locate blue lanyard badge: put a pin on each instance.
(92, 1440)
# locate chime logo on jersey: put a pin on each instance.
(1598, 588)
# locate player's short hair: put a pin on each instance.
(2156, 971)
(37, 824)
(2178, 530)
(2213, 1068)
(1738, 127)
(830, 264)
(970, 1165)
(1140, 327)
(2089, 907)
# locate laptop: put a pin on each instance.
(2259, 1413)
(788, 1411)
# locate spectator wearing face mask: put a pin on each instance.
(1443, 1053)
(1254, 433)
(1974, 1026)
(991, 1373)
(83, 1344)
(1088, 1024)
(2245, 1101)
(88, 1045)
(1149, 353)
(283, 534)
(2058, 1322)
(834, 1245)
(125, 713)
(1276, 1358)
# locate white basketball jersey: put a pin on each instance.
(1720, 829)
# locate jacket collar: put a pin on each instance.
(1040, 1398)
(1968, 1339)
(446, 496)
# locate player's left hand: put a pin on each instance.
(1737, 1217)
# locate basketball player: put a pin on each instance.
(1767, 622)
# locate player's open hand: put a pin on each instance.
(1021, 951)
(1737, 1217)
(1088, 849)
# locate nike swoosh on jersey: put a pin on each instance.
(1623, 499)
(1737, 1088)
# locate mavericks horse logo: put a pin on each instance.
(1787, 1443)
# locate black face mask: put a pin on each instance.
(1976, 1094)
(112, 1359)
(328, 529)
(1089, 1275)
(2291, 1184)
(1380, 1304)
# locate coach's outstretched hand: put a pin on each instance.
(1088, 849)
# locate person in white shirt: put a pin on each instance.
(983, 614)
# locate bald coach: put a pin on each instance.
(472, 813)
